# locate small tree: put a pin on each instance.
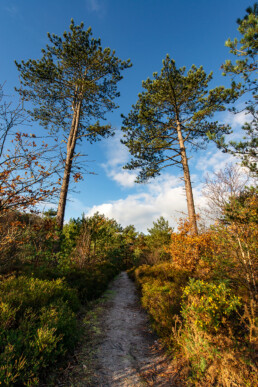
(158, 238)
(73, 86)
(26, 164)
(10, 117)
(172, 114)
(236, 253)
(221, 185)
(160, 233)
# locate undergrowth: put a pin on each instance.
(41, 296)
(202, 302)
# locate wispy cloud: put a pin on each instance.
(117, 157)
(237, 120)
(96, 6)
(214, 161)
(11, 9)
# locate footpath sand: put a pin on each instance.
(129, 354)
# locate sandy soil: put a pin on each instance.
(129, 354)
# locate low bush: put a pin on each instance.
(38, 325)
(92, 281)
(210, 336)
(38, 317)
(29, 292)
(191, 251)
(202, 322)
(162, 288)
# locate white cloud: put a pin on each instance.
(124, 178)
(214, 161)
(117, 153)
(237, 120)
(118, 156)
(163, 197)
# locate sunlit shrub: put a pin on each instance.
(25, 292)
(209, 336)
(210, 321)
(161, 287)
(208, 304)
(164, 271)
(190, 251)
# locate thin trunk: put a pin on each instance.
(250, 279)
(68, 165)
(187, 179)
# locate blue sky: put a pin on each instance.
(191, 31)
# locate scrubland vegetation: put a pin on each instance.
(199, 290)
(42, 290)
(203, 300)
(198, 283)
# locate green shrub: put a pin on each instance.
(209, 305)
(201, 321)
(30, 292)
(38, 320)
(38, 305)
(38, 325)
(92, 281)
(162, 288)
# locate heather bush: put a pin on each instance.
(161, 287)
(210, 336)
(210, 320)
(29, 292)
(91, 281)
(42, 293)
(38, 325)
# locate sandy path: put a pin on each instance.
(129, 355)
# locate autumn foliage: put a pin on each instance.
(203, 300)
(199, 286)
(189, 251)
(27, 172)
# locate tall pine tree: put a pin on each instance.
(172, 114)
(72, 86)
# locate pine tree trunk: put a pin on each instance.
(187, 179)
(68, 166)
